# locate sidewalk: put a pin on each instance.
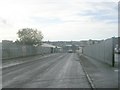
(102, 75)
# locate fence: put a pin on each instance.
(0, 56)
(12, 50)
(103, 51)
(0, 51)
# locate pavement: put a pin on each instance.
(61, 70)
(101, 74)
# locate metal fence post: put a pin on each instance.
(113, 55)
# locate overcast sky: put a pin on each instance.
(60, 19)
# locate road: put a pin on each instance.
(62, 70)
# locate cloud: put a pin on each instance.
(59, 20)
(105, 12)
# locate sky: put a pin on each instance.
(60, 20)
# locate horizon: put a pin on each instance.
(66, 40)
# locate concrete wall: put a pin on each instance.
(12, 50)
(103, 51)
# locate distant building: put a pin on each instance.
(7, 42)
(89, 42)
(48, 45)
(53, 48)
(70, 48)
(66, 45)
(83, 43)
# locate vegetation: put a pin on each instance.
(29, 36)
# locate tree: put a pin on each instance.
(29, 36)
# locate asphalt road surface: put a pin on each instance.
(62, 70)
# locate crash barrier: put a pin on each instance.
(13, 50)
(103, 51)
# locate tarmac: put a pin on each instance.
(61, 70)
(101, 75)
